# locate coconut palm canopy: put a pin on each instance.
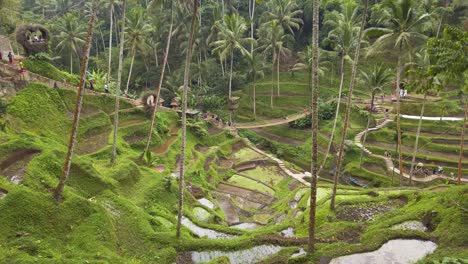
(25, 36)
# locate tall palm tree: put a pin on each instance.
(315, 128)
(188, 60)
(231, 38)
(400, 35)
(110, 5)
(344, 39)
(256, 70)
(79, 102)
(137, 30)
(161, 78)
(119, 83)
(72, 35)
(272, 39)
(377, 77)
(348, 106)
(286, 13)
(425, 81)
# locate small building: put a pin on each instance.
(175, 103)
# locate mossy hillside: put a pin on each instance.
(44, 68)
(39, 109)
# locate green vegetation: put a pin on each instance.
(125, 211)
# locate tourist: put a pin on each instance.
(426, 172)
(1, 56)
(10, 57)
(106, 88)
(21, 67)
(440, 170)
(434, 171)
(405, 93)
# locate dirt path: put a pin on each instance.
(271, 122)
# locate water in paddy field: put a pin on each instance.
(401, 251)
(246, 256)
(247, 226)
(204, 232)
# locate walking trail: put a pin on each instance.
(272, 122)
(388, 161)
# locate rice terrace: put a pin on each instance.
(234, 131)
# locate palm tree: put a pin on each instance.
(231, 38)
(400, 35)
(344, 39)
(110, 4)
(137, 30)
(256, 70)
(161, 78)
(119, 83)
(272, 38)
(286, 13)
(72, 35)
(76, 115)
(376, 78)
(315, 129)
(306, 63)
(348, 106)
(188, 60)
(425, 81)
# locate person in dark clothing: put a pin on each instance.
(10, 57)
(1, 56)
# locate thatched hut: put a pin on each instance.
(34, 38)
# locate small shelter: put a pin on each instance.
(175, 103)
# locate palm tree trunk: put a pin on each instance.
(278, 73)
(71, 62)
(337, 112)
(462, 145)
(413, 159)
(110, 45)
(119, 83)
(230, 75)
(254, 99)
(184, 119)
(315, 128)
(130, 71)
(158, 89)
(79, 102)
(364, 139)
(252, 24)
(222, 67)
(400, 153)
(230, 86)
(272, 77)
(348, 107)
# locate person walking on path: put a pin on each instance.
(10, 57)
(1, 56)
(21, 66)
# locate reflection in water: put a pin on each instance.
(204, 232)
(246, 256)
(401, 251)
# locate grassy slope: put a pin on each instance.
(125, 213)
